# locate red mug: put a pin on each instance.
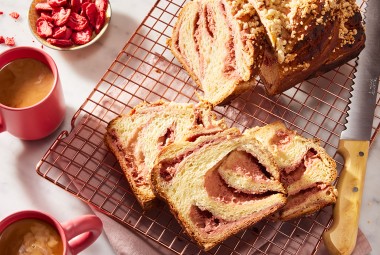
(75, 235)
(42, 118)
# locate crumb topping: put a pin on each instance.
(288, 21)
(347, 10)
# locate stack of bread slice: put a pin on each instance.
(218, 184)
(218, 180)
(136, 138)
(225, 44)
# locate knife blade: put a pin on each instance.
(353, 146)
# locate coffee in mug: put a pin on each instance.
(31, 96)
(30, 236)
(35, 232)
(24, 82)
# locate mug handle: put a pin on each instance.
(2, 124)
(81, 232)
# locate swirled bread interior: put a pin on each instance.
(136, 138)
(218, 185)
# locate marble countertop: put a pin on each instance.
(21, 188)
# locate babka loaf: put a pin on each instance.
(218, 185)
(224, 44)
(137, 137)
(307, 38)
(307, 171)
(220, 44)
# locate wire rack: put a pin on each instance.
(145, 70)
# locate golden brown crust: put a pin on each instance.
(305, 38)
(147, 202)
(323, 47)
(304, 204)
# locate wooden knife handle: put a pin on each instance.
(341, 237)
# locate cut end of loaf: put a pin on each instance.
(203, 182)
(219, 43)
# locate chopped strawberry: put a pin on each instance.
(43, 7)
(61, 17)
(47, 16)
(91, 13)
(82, 37)
(2, 40)
(60, 42)
(100, 21)
(62, 32)
(14, 15)
(77, 22)
(75, 6)
(44, 28)
(57, 3)
(1, 13)
(83, 8)
(102, 5)
(64, 23)
(10, 41)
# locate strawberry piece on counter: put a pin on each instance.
(10, 41)
(14, 15)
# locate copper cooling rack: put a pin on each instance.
(145, 70)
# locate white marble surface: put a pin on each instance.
(21, 188)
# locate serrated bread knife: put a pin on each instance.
(354, 140)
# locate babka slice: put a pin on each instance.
(307, 171)
(220, 44)
(136, 138)
(218, 185)
(307, 38)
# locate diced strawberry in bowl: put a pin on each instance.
(69, 24)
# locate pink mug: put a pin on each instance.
(76, 235)
(41, 119)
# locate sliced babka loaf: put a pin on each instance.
(307, 38)
(218, 185)
(220, 44)
(137, 137)
(351, 36)
(306, 170)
